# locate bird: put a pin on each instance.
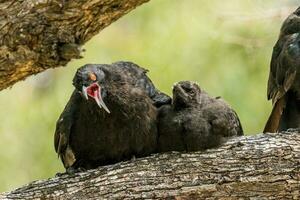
(284, 78)
(111, 116)
(195, 121)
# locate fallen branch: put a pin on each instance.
(262, 167)
(37, 35)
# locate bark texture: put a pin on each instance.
(254, 167)
(39, 34)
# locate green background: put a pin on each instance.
(223, 45)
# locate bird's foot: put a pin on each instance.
(72, 170)
(60, 174)
(68, 172)
(292, 130)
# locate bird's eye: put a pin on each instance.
(92, 76)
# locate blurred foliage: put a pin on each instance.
(223, 45)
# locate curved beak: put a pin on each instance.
(101, 103)
(94, 91)
(84, 92)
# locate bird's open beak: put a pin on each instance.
(94, 91)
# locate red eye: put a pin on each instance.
(92, 76)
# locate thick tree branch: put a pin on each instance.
(262, 167)
(39, 34)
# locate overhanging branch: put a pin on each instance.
(37, 35)
(263, 166)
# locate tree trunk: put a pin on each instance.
(255, 167)
(39, 34)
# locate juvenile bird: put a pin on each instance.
(284, 78)
(195, 121)
(110, 117)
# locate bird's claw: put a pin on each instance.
(72, 170)
(60, 174)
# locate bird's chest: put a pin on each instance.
(99, 135)
(96, 130)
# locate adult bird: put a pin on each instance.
(195, 121)
(284, 78)
(110, 117)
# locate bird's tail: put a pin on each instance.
(272, 124)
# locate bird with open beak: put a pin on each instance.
(91, 87)
(110, 117)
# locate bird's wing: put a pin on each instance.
(224, 120)
(63, 131)
(137, 76)
(273, 122)
(233, 120)
(281, 76)
(239, 126)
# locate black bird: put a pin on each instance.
(284, 77)
(195, 121)
(110, 117)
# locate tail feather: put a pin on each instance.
(272, 124)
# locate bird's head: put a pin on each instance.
(186, 94)
(89, 82)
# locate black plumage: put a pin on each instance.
(284, 77)
(88, 136)
(195, 121)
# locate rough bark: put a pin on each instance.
(39, 34)
(254, 167)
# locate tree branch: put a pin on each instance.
(37, 35)
(262, 167)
